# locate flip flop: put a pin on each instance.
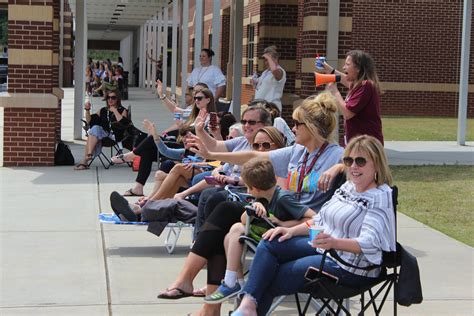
(118, 160)
(200, 293)
(180, 294)
(120, 207)
(81, 166)
(130, 192)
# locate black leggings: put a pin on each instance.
(148, 154)
(208, 200)
(210, 241)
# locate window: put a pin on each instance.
(250, 49)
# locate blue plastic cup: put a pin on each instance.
(319, 62)
(313, 232)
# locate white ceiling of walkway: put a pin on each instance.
(111, 19)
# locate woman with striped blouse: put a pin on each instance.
(358, 221)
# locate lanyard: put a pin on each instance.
(303, 168)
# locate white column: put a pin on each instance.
(174, 47)
(148, 50)
(165, 46)
(464, 79)
(184, 50)
(153, 32)
(198, 31)
(159, 37)
(238, 36)
(126, 46)
(80, 53)
(216, 32)
(142, 57)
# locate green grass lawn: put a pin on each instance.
(424, 128)
(438, 196)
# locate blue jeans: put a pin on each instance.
(278, 268)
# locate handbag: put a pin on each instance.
(408, 286)
(63, 155)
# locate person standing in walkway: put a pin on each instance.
(208, 74)
(361, 107)
(269, 86)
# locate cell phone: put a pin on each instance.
(211, 180)
(313, 273)
(213, 120)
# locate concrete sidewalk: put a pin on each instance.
(56, 259)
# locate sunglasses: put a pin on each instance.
(111, 97)
(198, 98)
(360, 161)
(297, 123)
(250, 122)
(264, 145)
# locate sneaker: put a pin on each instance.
(222, 293)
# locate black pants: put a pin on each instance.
(208, 200)
(148, 154)
(210, 241)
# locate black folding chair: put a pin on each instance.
(324, 287)
(116, 147)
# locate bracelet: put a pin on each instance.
(163, 97)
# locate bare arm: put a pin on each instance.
(276, 71)
(207, 140)
(172, 106)
(219, 93)
(294, 222)
(329, 69)
(341, 104)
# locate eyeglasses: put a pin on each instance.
(198, 98)
(264, 145)
(111, 97)
(360, 161)
(298, 123)
(250, 122)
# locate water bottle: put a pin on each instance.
(255, 78)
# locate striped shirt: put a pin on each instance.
(366, 217)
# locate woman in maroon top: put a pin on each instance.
(361, 108)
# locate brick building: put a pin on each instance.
(416, 46)
(417, 56)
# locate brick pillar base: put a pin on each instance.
(29, 137)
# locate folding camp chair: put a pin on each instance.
(116, 147)
(324, 287)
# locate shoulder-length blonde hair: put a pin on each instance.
(372, 147)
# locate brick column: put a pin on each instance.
(31, 105)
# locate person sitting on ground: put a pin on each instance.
(358, 221)
(282, 210)
(103, 124)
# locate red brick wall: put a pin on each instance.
(419, 42)
(29, 137)
(30, 134)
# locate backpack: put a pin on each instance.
(63, 155)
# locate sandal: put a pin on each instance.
(117, 160)
(178, 294)
(130, 192)
(81, 166)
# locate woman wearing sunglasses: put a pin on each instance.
(101, 126)
(358, 221)
(148, 149)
